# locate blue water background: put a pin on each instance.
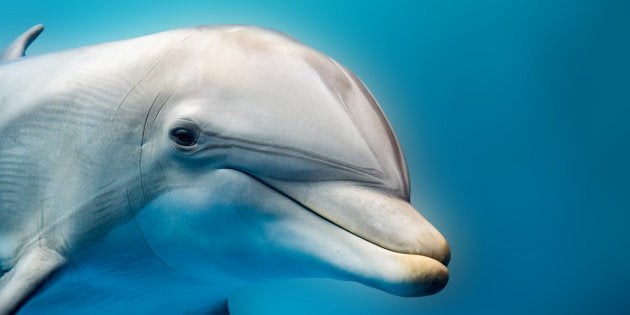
(513, 115)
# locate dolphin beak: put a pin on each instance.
(418, 251)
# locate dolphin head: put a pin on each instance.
(270, 160)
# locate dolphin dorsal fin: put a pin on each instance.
(17, 48)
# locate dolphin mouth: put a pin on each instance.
(412, 265)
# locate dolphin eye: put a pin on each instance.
(184, 137)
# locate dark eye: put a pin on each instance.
(184, 137)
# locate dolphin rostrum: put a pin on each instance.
(158, 174)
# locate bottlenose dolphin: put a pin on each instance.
(158, 174)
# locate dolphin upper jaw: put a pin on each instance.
(401, 252)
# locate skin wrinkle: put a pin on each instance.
(168, 187)
(144, 240)
(170, 195)
(288, 151)
(64, 218)
(340, 87)
(400, 159)
(146, 202)
(144, 135)
(142, 187)
(168, 98)
(356, 82)
(144, 129)
(160, 59)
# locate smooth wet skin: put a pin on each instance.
(198, 160)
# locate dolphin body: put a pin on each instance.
(158, 174)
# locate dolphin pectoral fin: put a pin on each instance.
(17, 48)
(31, 271)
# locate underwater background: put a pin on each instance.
(514, 117)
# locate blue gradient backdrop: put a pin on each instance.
(513, 115)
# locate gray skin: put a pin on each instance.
(195, 161)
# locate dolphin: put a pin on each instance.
(160, 173)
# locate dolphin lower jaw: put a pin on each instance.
(409, 275)
(363, 261)
(306, 243)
